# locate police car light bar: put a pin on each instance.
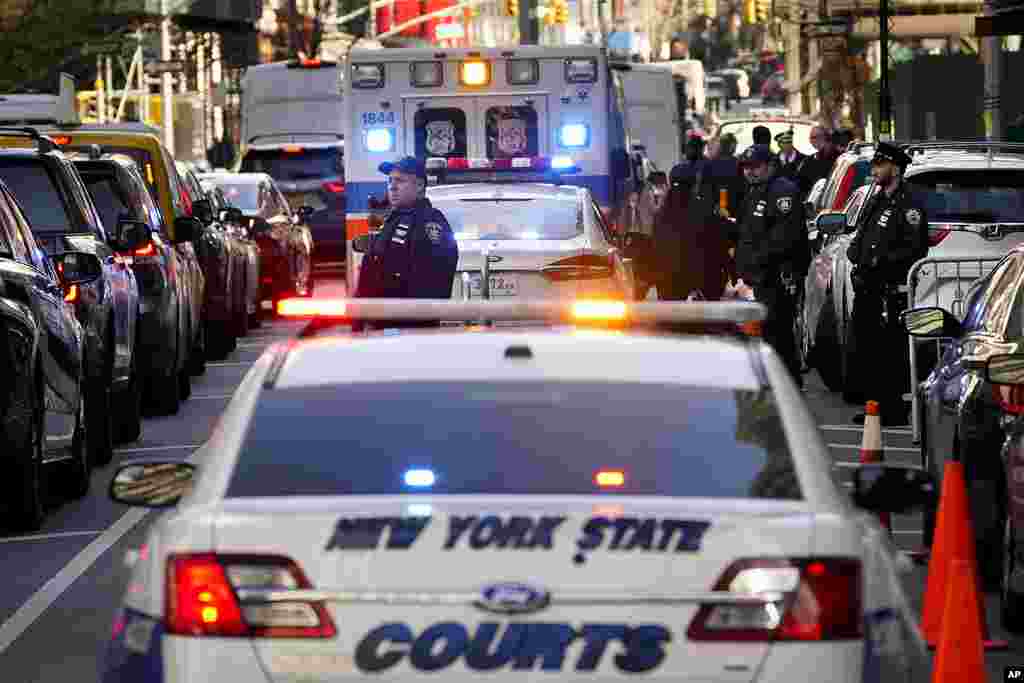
(463, 168)
(741, 313)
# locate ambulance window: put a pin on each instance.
(440, 132)
(512, 132)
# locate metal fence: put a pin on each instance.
(935, 276)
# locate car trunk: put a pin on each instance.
(405, 581)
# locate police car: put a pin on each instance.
(515, 503)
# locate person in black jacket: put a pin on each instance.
(892, 235)
(789, 157)
(772, 251)
(414, 255)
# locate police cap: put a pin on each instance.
(409, 165)
(785, 137)
(757, 154)
(886, 152)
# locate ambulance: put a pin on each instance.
(511, 113)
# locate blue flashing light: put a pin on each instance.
(562, 163)
(380, 140)
(420, 478)
(575, 135)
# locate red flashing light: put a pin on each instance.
(62, 139)
(310, 308)
(609, 479)
(459, 163)
(71, 296)
(314, 63)
(147, 250)
(334, 186)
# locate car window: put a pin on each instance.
(441, 132)
(243, 195)
(142, 158)
(37, 255)
(294, 164)
(11, 240)
(511, 131)
(972, 195)
(744, 132)
(660, 437)
(110, 200)
(512, 218)
(36, 189)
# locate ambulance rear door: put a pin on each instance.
(442, 126)
(514, 126)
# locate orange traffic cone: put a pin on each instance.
(961, 657)
(954, 539)
(871, 448)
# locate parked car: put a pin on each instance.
(217, 256)
(119, 192)
(285, 243)
(960, 411)
(63, 218)
(44, 435)
(248, 293)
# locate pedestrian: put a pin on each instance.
(892, 234)
(414, 254)
(678, 48)
(818, 165)
(762, 136)
(728, 176)
(789, 157)
(772, 252)
(691, 243)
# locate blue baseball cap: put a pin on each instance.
(410, 165)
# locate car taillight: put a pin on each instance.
(584, 267)
(202, 596)
(71, 295)
(1009, 397)
(334, 187)
(937, 234)
(147, 250)
(804, 600)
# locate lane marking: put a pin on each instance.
(854, 428)
(42, 599)
(210, 397)
(47, 537)
(856, 447)
(144, 449)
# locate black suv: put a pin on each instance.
(63, 218)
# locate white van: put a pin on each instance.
(652, 113)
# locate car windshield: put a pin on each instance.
(744, 132)
(141, 157)
(280, 164)
(522, 438)
(244, 196)
(36, 191)
(975, 195)
(512, 218)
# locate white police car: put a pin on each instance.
(515, 504)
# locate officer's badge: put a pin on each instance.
(512, 138)
(433, 232)
(785, 204)
(913, 216)
(440, 138)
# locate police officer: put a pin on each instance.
(772, 252)
(414, 254)
(789, 157)
(891, 236)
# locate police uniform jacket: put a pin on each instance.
(771, 237)
(891, 237)
(791, 168)
(414, 255)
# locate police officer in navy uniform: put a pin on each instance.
(772, 252)
(892, 235)
(414, 255)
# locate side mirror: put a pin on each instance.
(361, 244)
(152, 484)
(77, 268)
(305, 213)
(203, 210)
(1005, 368)
(831, 222)
(878, 487)
(186, 229)
(130, 235)
(931, 323)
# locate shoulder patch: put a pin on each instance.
(785, 204)
(433, 232)
(914, 216)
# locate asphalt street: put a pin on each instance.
(63, 585)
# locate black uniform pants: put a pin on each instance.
(881, 355)
(778, 326)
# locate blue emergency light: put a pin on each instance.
(420, 478)
(575, 135)
(380, 139)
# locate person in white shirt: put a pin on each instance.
(789, 157)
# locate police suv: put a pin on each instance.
(515, 503)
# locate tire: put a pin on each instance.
(128, 407)
(1011, 603)
(26, 448)
(75, 474)
(826, 353)
(100, 419)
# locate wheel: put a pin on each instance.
(1011, 603)
(23, 437)
(826, 353)
(100, 419)
(75, 474)
(128, 410)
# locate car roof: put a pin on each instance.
(554, 354)
(538, 190)
(236, 178)
(960, 160)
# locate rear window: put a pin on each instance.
(36, 190)
(512, 218)
(244, 196)
(744, 132)
(521, 438)
(972, 195)
(440, 132)
(512, 132)
(141, 157)
(108, 198)
(282, 165)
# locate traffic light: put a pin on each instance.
(549, 13)
(512, 7)
(750, 11)
(764, 9)
(561, 11)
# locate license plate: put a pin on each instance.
(501, 285)
(300, 199)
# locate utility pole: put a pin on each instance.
(529, 33)
(166, 85)
(992, 58)
(884, 96)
